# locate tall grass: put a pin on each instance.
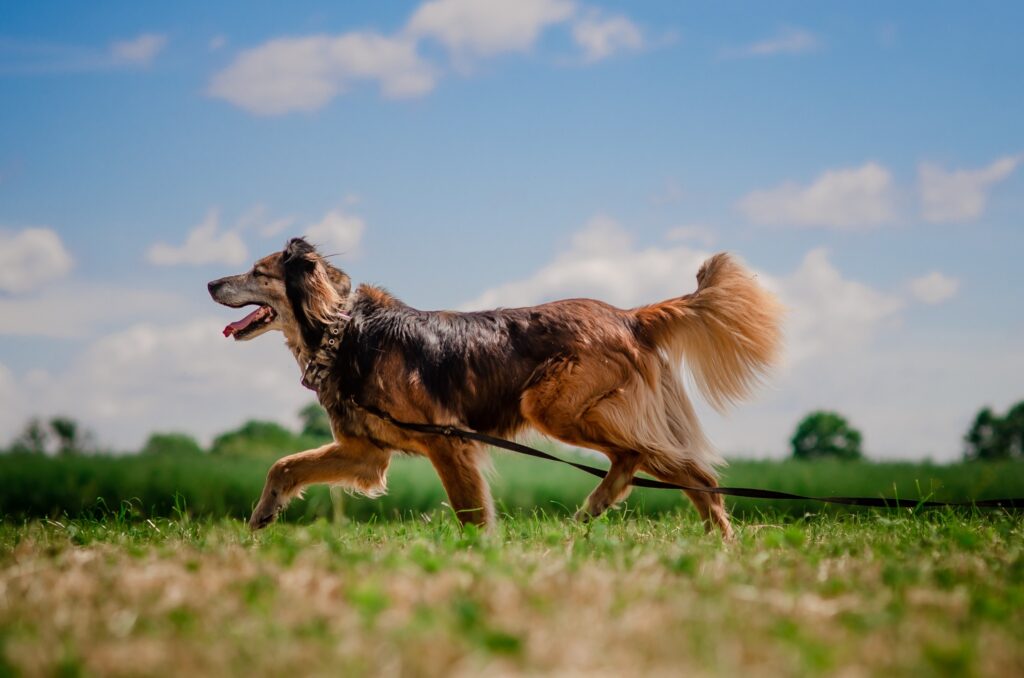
(40, 486)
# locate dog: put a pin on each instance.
(578, 370)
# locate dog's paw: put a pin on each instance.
(261, 518)
(583, 515)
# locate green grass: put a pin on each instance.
(213, 486)
(871, 593)
(137, 566)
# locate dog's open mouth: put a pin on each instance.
(262, 316)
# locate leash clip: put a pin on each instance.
(305, 376)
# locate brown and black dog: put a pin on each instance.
(578, 370)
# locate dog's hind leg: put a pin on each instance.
(634, 412)
(614, 487)
(711, 507)
(459, 467)
(354, 463)
(572, 405)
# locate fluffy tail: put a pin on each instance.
(728, 331)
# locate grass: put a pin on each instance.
(218, 486)
(905, 593)
(135, 566)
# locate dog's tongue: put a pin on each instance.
(240, 325)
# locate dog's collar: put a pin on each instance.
(320, 363)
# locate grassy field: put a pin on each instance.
(904, 593)
(136, 566)
(217, 486)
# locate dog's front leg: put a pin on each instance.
(458, 465)
(354, 463)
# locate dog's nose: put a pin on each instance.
(214, 285)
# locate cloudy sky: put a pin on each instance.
(864, 159)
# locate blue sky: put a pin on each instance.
(865, 160)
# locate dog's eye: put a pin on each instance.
(256, 272)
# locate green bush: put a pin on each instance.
(176, 444)
(262, 440)
(823, 435)
(996, 437)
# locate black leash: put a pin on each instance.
(876, 502)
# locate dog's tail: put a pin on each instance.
(727, 332)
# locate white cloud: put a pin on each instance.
(276, 226)
(139, 51)
(789, 40)
(829, 313)
(849, 198)
(934, 288)
(217, 42)
(304, 74)
(152, 377)
(487, 27)
(601, 36)
(960, 195)
(76, 309)
(31, 258)
(12, 418)
(204, 245)
(31, 57)
(337, 233)
(257, 218)
(602, 263)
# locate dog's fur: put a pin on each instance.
(578, 370)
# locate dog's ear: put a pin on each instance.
(311, 291)
(298, 252)
(342, 283)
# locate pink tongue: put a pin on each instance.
(239, 325)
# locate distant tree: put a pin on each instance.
(992, 437)
(982, 438)
(823, 435)
(315, 422)
(71, 438)
(63, 434)
(66, 431)
(1013, 431)
(257, 439)
(176, 444)
(33, 439)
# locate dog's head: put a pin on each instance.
(295, 291)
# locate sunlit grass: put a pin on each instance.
(204, 485)
(937, 592)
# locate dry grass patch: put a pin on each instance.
(937, 593)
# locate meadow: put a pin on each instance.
(138, 566)
(205, 485)
(873, 593)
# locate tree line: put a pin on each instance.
(991, 437)
(820, 435)
(63, 436)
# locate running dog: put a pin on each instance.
(579, 370)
